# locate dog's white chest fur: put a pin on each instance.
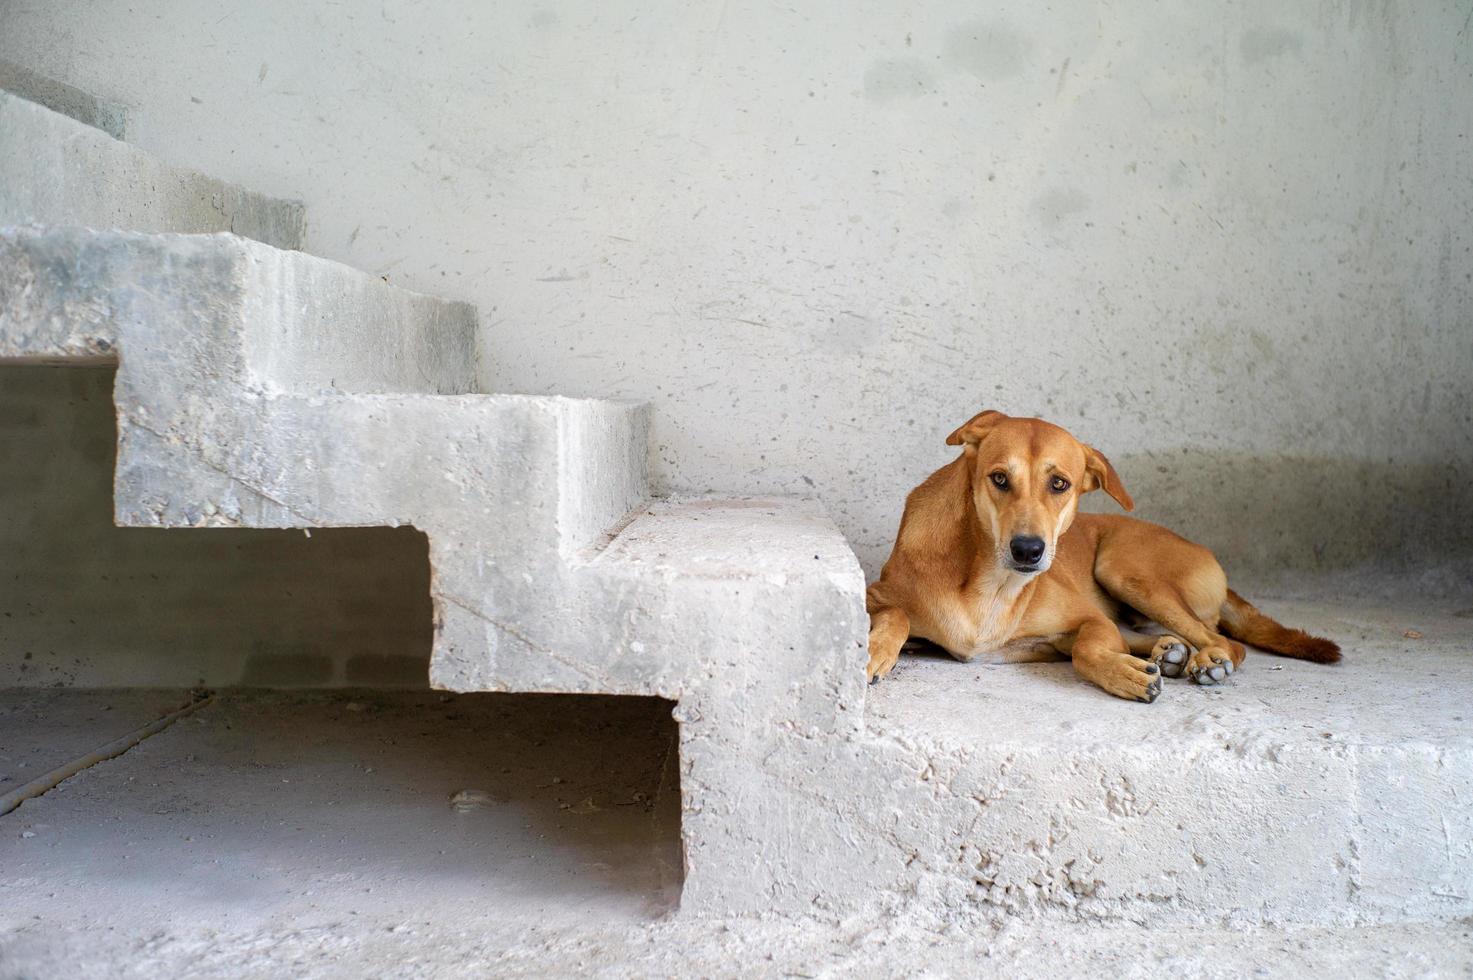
(984, 618)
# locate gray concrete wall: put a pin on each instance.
(85, 603)
(1226, 242)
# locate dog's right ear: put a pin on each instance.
(975, 428)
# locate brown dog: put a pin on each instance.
(991, 558)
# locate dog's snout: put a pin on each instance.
(1027, 549)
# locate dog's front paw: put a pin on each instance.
(880, 664)
(1128, 677)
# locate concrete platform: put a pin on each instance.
(1295, 793)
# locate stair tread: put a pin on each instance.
(1270, 698)
(721, 537)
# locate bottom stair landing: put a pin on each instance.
(1294, 793)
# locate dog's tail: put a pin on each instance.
(1241, 621)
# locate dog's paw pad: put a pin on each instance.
(1171, 655)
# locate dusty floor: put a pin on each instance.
(315, 834)
(274, 813)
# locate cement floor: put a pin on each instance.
(279, 813)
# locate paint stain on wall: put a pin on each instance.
(988, 49)
(1265, 44)
(898, 78)
(1053, 207)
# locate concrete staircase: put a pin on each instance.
(262, 387)
(259, 387)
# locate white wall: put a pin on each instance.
(1227, 242)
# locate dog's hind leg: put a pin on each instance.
(889, 628)
(1213, 658)
(1180, 586)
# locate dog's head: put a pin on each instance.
(1027, 477)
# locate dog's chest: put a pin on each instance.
(983, 620)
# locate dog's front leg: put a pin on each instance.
(889, 628)
(1101, 656)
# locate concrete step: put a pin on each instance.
(1294, 793)
(262, 388)
(56, 170)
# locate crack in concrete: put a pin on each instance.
(527, 641)
(199, 457)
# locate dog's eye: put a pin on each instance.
(1058, 484)
(1000, 480)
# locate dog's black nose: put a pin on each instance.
(1026, 549)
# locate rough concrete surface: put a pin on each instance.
(518, 495)
(745, 948)
(41, 730)
(258, 388)
(551, 574)
(1295, 793)
(1227, 243)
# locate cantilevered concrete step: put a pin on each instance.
(260, 387)
(55, 170)
(1295, 793)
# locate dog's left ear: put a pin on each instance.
(1100, 475)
